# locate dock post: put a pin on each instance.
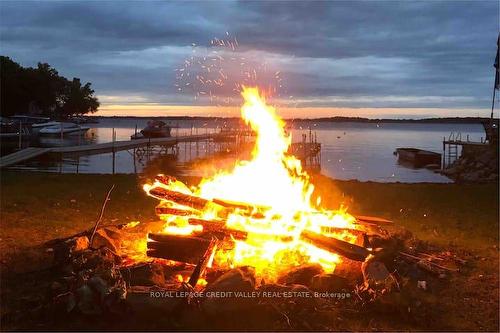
(20, 134)
(149, 148)
(135, 166)
(443, 162)
(113, 149)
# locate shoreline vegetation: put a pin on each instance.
(462, 219)
(444, 120)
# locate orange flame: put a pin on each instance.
(274, 180)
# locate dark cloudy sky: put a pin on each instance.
(339, 54)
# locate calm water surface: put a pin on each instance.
(362, 151)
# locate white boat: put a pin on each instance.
(64, 128)
(46, 124)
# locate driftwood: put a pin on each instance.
(348, 250)
(186, 249)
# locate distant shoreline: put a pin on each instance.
(444, 120)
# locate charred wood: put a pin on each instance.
(202, 264)
(372, 220)
(179, 198)
(218, 227)
(186, 249)
(348, 250)
(174, 211)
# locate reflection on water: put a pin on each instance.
(362, 151)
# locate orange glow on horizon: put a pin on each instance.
(159, 110)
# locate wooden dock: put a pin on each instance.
(23, 155)
(451, 151)
(115, 146)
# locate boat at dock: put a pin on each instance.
(154, 129)
(62, 128)
(418, 158)
(46, 124)
(13, 128)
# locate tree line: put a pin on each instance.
(42, 91)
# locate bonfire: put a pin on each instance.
(254, 227)
(263, 207)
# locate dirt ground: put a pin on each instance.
(37, 207)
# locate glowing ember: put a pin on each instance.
(270, 197)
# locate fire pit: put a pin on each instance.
(251, 236)
(259, 214)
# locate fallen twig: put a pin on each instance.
(103, 207)
(429, 262)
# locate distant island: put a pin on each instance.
(444, 120)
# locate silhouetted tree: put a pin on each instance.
(43, 91)
(77, 99)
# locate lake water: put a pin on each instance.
(350, 150)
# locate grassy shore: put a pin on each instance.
(37, 207)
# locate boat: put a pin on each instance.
(28, 120)
(63, 128)
(46, 124)
(13, 128)
(154, 129)
(418, 158)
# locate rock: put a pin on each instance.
(422, 284)
(88, 303)
(114, 233)
(350, 270)
(151, 302)
(58, 288)
(301, 275)
(98, 286)
(80, 243)
(376, 274)
(220, 295)
(237, 279)
(63, 250)
(329, 282)
(149, 274)
(102, 239)
(297, 294)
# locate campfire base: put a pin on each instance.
(90, 281)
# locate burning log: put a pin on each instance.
(203, 263)
(179, 198)
(174, 211)
(348, 250)
(372, 220)
(218, 227)
(239, 205)
(186, 249)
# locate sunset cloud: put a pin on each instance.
(360, 54)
